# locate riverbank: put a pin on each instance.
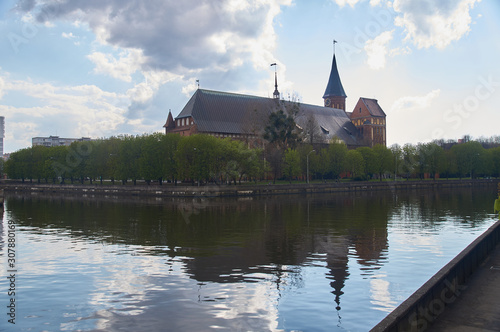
(167, 190)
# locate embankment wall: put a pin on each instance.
(168, 190)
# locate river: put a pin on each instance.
(333, 262)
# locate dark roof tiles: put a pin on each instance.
(373, 107)
(230, 113)
(334, 87)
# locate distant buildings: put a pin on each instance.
(239, 116)
(56, 141)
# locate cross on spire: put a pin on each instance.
(334, 42)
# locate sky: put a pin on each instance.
(101, 68)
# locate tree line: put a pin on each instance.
(207, 159)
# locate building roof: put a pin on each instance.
(332, 121)
(170, 121)
(222, 112)
(334, 87)
(373, 107)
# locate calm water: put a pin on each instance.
(309, 263)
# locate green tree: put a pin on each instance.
(397, 157)
(196, 157)
(469, 157)
(105, 159)
(112, 158)
(282, 129)
(274, 158)
(449, 164)
(370, 160)
(60, 163)
(355, 163)
(228, 160)
(409, 160)
(322, 163)
(40, 154)
(291, 164)
(79, 160)
(384, 159)
(337, 158)
(25, 164)
(151, 160)
(252, 163)
(435, 159)
(170, 143)
(129, 157)
(99, 159)
(495, 161)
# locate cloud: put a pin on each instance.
(376, 50)
(415, 102)
(143, 92)
(83, 110)
(68, 35)
(130, 61)
(430, 23)
(25, 5)
(351, 3)
(2, 85)
(178, 36)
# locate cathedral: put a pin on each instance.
(224, 114)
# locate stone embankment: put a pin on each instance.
(168, 190)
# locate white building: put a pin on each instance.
(56, 141)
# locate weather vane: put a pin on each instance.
(334, 42)
(198, 82)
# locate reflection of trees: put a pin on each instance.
(1, 228)
(428, 209)
(220, 236)
(233, 240)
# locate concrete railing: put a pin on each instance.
(429, 301)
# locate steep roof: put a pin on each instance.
(170, 121)
(334, 87)
(222, 112)
(373, 107)
(332, 121)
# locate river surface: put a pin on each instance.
(289, 263)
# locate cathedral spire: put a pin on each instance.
(276, 93)
(334, 94)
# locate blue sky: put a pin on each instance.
(109, 67)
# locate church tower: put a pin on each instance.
(334, 94)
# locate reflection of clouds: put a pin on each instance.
(418, 242)
(249, 305)
(380, 295)
(113, 287)
(128, 282)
